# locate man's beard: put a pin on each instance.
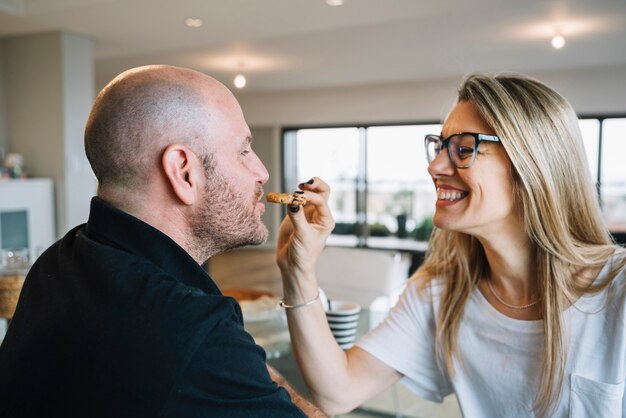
(225, 219)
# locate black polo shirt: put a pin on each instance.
(117, 320)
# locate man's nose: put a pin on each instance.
(260, 171)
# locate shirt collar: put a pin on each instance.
(117, 228)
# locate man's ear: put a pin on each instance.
(180, 165)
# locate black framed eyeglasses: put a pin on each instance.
(462, 147)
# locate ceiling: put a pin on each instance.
(296, 44)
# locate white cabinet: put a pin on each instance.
(27, 217)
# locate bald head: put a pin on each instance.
(142, 111)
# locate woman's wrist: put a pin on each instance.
(299, 289)
(287, 305)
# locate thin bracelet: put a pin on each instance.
(312, 301)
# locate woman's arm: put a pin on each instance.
(339, 381)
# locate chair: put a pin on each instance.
(372, 278)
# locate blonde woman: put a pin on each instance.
(519, 306)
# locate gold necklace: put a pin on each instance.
(507, 304)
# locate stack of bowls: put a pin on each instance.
(343, 320)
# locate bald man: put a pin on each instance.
(118, 318)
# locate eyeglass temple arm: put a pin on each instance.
(485, 137)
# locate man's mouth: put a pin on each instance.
(259, 194)
(450, 195)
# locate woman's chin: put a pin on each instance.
(441, 222)
(446, 224)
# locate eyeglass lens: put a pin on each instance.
(461, 149)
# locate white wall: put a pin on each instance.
(267, 147)
(3, 127)
(32, 76)
(592, 91)
(78, 76)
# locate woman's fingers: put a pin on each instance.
(316, 210)
(304, 230)
(318, 186)
(286, 229)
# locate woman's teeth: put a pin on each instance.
(449, 195)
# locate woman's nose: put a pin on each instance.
(441, 165)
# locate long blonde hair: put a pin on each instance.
(557, 198)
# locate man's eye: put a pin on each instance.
(246, 152)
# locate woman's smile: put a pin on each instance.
(450, 194)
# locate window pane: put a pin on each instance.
(401, 197)
(613, 178)
(332, 155)
(590, 129)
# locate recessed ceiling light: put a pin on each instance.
(334, 2)
(193, 22)
(239, 81)
(558, 42)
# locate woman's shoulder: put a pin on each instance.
(612, 277)
(615, 267)
(425, 289)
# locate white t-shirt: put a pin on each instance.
(502, 356)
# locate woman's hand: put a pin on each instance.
(304, 231)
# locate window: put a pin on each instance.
(382, 195)
(590, 129)
(333, 155)
(613, 173)
(400, 195)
